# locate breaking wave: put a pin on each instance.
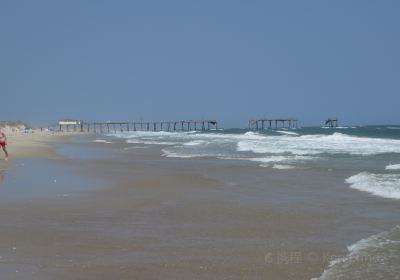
(375, 257)
(393, 167)
(282, 146)
(384, 185)
(336, 143)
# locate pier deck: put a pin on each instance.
(260, 124)
(113, 126)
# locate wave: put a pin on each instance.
(393, 167)
(102, 141)
(259, 146)
(176, 155)
(287, 132)
(147, 142)
(383, 185)
(375, 257)
(196, 143)
(283, 166)
(336, 143)
(282, 159)
(172, 154)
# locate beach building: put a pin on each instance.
(67, 123)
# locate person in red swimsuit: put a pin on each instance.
(3, 143)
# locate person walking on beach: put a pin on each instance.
(3, 143)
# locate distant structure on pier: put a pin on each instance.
(260, 124)
(69, 122)
(331, 122)
(111, 126)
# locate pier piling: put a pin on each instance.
(178, 125)
(331, 122)
(266, 123)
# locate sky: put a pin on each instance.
(226, 60)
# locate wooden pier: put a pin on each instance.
(260, 124)
(331, 122)
(120, 126)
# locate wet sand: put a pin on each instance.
(158, 218)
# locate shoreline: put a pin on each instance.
(180, 218)
(155, 207)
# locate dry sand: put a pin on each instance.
(37, 144)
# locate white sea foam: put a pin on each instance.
(196, 143)
(384, 185)
(375, 257)
(150, 142)
(336, 143)
(176, 155)
(282, 159)
(272, 159)
(393, 167)
(102, 141)
(291, 148)
(287, 132)
(171, 154)
(135, 147)
(283, 166)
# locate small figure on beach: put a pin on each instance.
(3, 143)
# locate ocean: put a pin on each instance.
(365, 159)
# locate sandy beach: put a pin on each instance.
(32, 145)
(72, 208)
(151, 219)
(217, 140)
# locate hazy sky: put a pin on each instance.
(228, 60)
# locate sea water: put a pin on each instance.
(370, 155)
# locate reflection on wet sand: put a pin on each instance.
(2, 177)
